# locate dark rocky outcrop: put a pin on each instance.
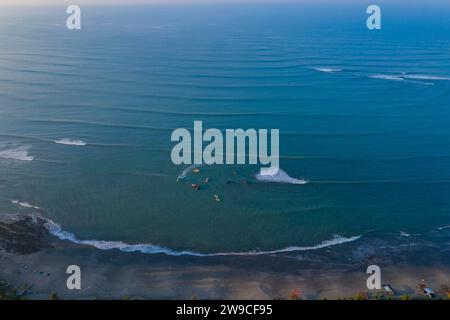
(24, 235)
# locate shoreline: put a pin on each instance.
(30, 257)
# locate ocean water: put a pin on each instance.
(364, 118)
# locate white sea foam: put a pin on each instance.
(57, 231)
(18, 153)
(336, 240)
(387, 77)
(328, 70)
(278, 176)
(410, 78)
(71, 142)
(24, 204)
(425, 77)
(187, 170)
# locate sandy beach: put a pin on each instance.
(40, 268)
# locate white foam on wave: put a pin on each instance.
(57, 231)
(425, 77)
(18, 153)
(24, 204)
(328, 70)
(276, 175)
(412, 78)
(336, 240)
(187, 170)
(387, 77)
(71, 142)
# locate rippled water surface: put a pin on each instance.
(364, 117)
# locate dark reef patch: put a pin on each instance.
(24, 235)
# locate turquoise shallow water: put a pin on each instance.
(364, 117)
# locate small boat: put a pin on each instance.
(196, 170)
(206, 180)
(217, 198)
(195, 186)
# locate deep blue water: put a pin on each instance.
(372, 137)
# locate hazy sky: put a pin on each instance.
(129, 2)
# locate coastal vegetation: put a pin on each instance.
(8, 292)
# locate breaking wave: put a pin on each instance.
(57, 231)
(387, 77)
(24, 204)
(18, 153)
(404, 234)
(71, 142)
(278, 176)
(425, 77)
(186, 171)
(412, 78)
(328, 70)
